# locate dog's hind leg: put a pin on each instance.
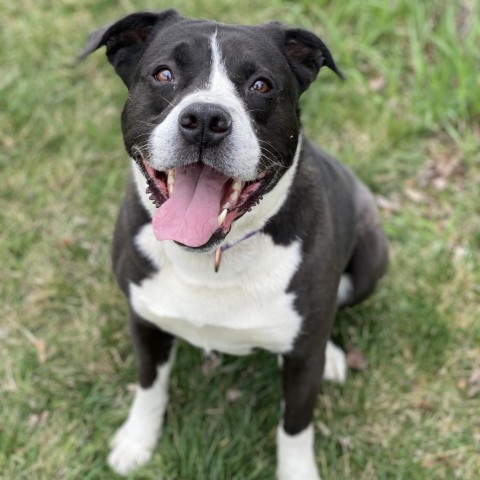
(135, 440)
(369, 260)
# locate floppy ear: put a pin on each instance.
(306, 54)
(126, 40)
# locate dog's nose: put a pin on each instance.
(205, 124)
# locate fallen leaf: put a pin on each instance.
(463, 20)
(41, 348)
(390, 206)
(445, 162)
(462, 384)
(345, 442)
(424, 405)
(415, 196)
(66, 242)
(38, 419)
(356, 359)
(428, 461)
(210, 364)
(323, 429)
(233, 395)
(378, 83)
(474, 384)
(459, 254)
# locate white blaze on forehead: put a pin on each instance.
(239, 152)
(224, 93)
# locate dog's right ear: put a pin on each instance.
(126, 39)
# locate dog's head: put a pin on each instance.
(212, 118)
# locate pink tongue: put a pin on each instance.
(190, 215)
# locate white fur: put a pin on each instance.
(295, 455)
(243, 154)
(335, 364)
(243, 306)
(345, 289)
(134, 441)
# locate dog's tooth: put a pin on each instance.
(237, 185)
(227, 206)
(171, 180)
(222, 216)
(234, 196)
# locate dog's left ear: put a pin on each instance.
(305, 52)
(126, 39)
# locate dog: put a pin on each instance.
(236, 232)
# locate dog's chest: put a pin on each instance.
(244, 306)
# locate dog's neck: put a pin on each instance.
(226, 246)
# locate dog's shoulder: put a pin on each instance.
(320, 196)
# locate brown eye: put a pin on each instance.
(164, 75)
(261, 86)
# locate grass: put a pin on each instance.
(407, 120)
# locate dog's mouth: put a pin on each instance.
(196, 204)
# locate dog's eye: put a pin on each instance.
(261, 86)
(164, 75)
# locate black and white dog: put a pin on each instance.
(235, 232)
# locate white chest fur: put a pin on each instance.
(243, 306)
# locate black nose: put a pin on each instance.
(204, 124)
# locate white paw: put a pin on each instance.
(128, 450)
(300, 473)
(295, 456)
(335, 364)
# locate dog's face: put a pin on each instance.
(211, 118)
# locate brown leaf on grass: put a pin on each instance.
(356, 360)
(66, 242)
(210, 364)
(463, 19)
(459, 254)
(323, 429)
(428, 461)
(41, 348)
(414, 195)
(424, 405)
(233, 395)
(388, 205)
(38, 419)
(474, 384)
(345, 442)
(462, 384)
(444, 165)
(377, 83)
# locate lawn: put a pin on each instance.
(406, 119)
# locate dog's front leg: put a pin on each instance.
(302, 376)
(134, 441)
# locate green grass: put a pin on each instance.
(410, 106)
